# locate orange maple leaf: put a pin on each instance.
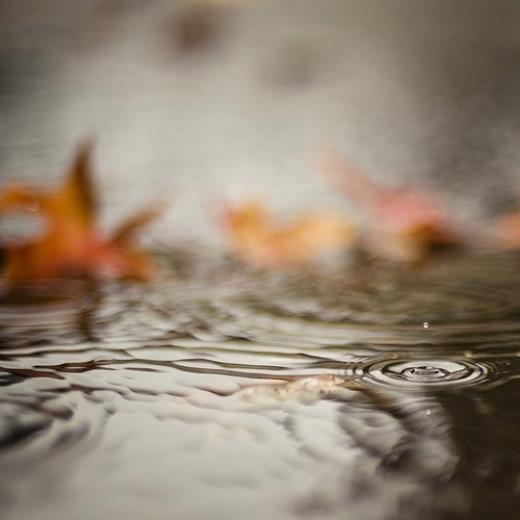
(71, 245)
(258, 239)
(406, 222)
(507, 231)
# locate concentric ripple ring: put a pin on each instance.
(419, 373)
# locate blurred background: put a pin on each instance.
(196, 102)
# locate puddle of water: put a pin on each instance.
(233, 394)
(372, 393)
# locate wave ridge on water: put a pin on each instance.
(345, 386)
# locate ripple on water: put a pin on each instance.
(420, 373)
(45, 312)
(317, 379)
(467, 301)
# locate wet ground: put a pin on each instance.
(370, 392)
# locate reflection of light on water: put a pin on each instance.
(268, 395)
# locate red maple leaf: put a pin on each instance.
(404, 223)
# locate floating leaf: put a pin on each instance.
(258, 239)
(404, 223)
(507, 231)
(71, 245)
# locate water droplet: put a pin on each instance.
(426, 325)
(424, 373)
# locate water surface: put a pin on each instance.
(370, 392)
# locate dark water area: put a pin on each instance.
(368, 392)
